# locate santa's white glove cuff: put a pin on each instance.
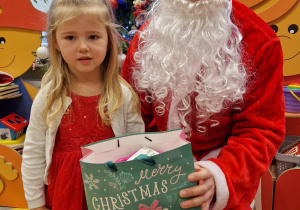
(222, 191)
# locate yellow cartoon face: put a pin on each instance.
(287, 29)
(284, 17)
(16, 49)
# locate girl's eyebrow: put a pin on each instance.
(99, 32)
(88, 32)
(67, 32)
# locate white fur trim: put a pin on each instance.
(212, 154)
(222, 191)
(252, 204)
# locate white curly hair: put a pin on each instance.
(191, 47)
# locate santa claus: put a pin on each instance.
(214, 68)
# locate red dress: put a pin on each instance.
(80, 125)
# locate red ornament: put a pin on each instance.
(114, 4)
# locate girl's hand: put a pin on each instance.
(203, 193)
(40, 208)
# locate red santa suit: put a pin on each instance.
(245, 141)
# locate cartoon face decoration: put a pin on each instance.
(16, 49)
(284, 18)
(287, 29)
(20, 34)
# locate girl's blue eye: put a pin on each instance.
(93, 37)
(70, 37)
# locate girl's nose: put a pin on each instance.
(83, 47)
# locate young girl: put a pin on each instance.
(82, 100)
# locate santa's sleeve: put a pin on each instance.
(258, 131)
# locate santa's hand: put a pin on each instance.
(203, 193)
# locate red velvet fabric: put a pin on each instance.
(80, 125)
(249, 137)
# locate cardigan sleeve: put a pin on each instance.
(134, 121)
(34, 158)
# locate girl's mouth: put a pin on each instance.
(84, 58)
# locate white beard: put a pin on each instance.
(191, 47)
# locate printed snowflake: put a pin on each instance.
(91, 181)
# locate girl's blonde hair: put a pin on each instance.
(59, 76)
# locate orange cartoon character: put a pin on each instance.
(11, 187)
(284, 18)
(20, 36)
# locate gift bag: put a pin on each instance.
(143, 183)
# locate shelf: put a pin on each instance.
(14, 144)
(10, 97)
(288, 114)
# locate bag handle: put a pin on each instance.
(143, 158)
(111, 166)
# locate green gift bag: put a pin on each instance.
(145, 183)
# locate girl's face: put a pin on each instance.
(83, 44)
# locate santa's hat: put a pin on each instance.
(21, 14)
